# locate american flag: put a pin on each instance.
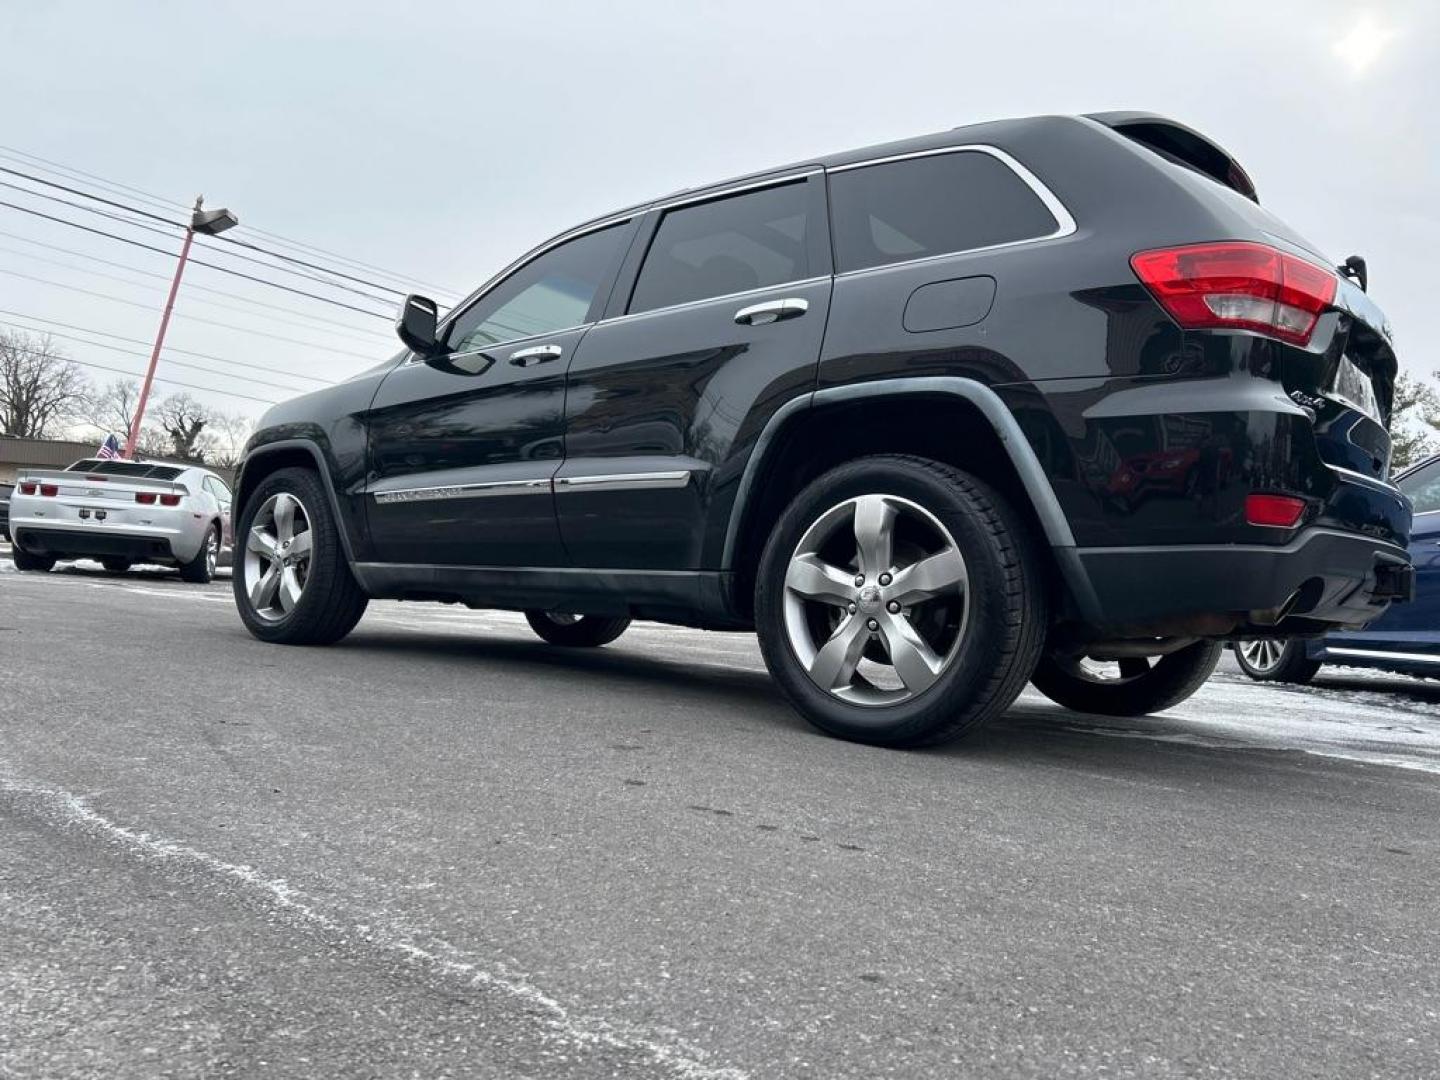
(109, 449)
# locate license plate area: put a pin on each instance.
(1352, 386)
(93, 513)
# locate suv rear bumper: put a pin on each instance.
(1323, 579)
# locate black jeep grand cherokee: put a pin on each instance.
(1049, 399)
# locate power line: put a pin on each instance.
(191, 318)
(115, 187)
(197, 262)
(70, 172)
(330, 271)
(244, 258)
(146, 356)
(174, 382)
(168, 348)
(353, 331)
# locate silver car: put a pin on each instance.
(122, 513)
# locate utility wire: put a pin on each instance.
(115, 187)
(191, 318)
(174, 382)
(320, 319)
(355, 333)
(197, 262)
(146, 356)
(168, 348)
(244, 258)
(330, 271)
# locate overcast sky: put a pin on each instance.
(439, 140)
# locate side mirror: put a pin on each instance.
(416, 325)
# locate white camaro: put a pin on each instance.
(121, 512)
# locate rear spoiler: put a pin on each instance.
(78, 477)
(1183, 145)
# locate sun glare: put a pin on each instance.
(1362, 46)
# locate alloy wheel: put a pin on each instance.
(277, 556)
(1264, 655)
(876, 600)
(212, 552)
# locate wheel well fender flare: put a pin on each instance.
(1058, 535)
(287, 448)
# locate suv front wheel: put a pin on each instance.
(899, 602)
(291, 581)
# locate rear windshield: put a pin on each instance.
(1187, 148)
(136, 469)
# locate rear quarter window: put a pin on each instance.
(932, 205)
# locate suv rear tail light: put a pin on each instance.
(27, 489)
(145, 498)
(1276, 511)
(49, 490)
(1236, 285)
(169, 500)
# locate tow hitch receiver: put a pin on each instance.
(1394, 582)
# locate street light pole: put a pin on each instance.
(208, 222)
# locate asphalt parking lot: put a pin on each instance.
(443, 848)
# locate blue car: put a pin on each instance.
(1405, 640)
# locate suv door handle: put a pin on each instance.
(772, 311)
(536, 354)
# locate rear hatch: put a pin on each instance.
(102, 494)
(1346, 374)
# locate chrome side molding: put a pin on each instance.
(674, 478)
(464, 491)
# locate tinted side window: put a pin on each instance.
(930, 206)
(1423, 488)
(731, 245)
(551, 292)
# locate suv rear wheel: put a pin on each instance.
(291, 581)
(899, 602)
(580, 631)
(1141, 685)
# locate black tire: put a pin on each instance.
(1000, 641)
(200, 569)
(332, 601)
(576, 631)
(1291, 666)
(115, 566)
(24, 560)
(1164, 682)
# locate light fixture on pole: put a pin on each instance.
(206, 223)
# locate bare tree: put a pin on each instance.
(41, 391)
(226, 439)
(184, 420)
(111, 408)
(1415, 423)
